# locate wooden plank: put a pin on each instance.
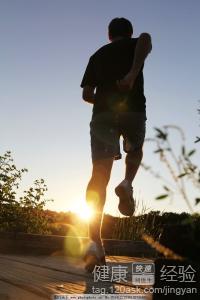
(69, 264)
(43, 281)
(44, 276)
(11, 292)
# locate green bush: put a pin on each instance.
(23, 214)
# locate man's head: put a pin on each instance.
(119, 27)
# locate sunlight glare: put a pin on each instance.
(82, 210)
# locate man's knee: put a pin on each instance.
(96, 189)
(101, 171)
(134, 157)
(99, 180)
(94, 196)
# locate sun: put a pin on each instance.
(82, 210)
(85, 213)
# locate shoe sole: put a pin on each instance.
(126, 207)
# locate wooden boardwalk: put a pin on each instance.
(31, 277)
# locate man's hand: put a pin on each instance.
(127, 83)
(143, 47)
(88, 94)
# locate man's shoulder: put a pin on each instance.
(101, 50)
(108, 47)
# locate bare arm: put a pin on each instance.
(143, 48)
(88, 94)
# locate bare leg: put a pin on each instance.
(96, 195)
(133, 161)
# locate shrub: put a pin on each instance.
(23, 214)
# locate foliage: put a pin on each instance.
(180, 166)
(66, 224)
(152, 223)
(178, 232)
(198, 138)
(25, 214)
(134, 227)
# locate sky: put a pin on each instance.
(45, 46)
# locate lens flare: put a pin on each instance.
(83, 210)
(73, 243)
(85, 213)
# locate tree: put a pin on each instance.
(26, 213)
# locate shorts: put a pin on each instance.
(106, 129)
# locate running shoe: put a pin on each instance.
(95, 255)
(126, 201)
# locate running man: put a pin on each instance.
(113, 83)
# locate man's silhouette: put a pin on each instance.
(113, 83)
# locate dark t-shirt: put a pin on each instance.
(107, 65)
